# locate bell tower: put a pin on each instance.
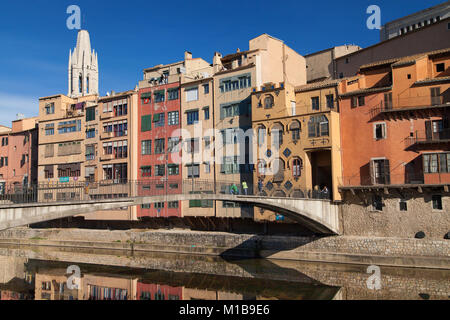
(83, 68)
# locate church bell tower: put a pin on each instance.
(83, 68)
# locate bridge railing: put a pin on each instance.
(120, 189)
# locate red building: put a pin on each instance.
(153, 291)
(159, 117)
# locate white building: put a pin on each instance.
(415, 21)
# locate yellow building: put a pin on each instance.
(298, 141)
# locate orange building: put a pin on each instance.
(395, 143)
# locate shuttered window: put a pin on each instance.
(146, 123)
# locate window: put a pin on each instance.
(4, 141)
(318, 126)
(160, 170)
(146, 97)
(436, 162)
(409, 76)
(50, 108)
(235, 83)
(172, 94)
(192, 145)
(146, 171)
(361, 101)
(193, 170)
(436, 200)
(380, 171)
(173, 169)
(146, 147)
(268, 102)
(261, 135)
(330, 101)
(230, 165)
(315, 103)
(379, 131)
(69, 126)
(159, 119)
(90, 152)
(90, 133)
(206, 88)
(146, 123)
(207, 167)
(377, 203)
(206, 111)
(207, 142)
(296, 168)
(90, 114)
(388, 100)
(191, 94)
(172, 205)
(173, 144)
(159, 146)
(120, 108)
(354, 102)
(293, 108)
(403, 205)
(192, 117)
(435, 95)
(159, 96)
(49, 130)
(159, 205)
(173, 118)
(145, 206)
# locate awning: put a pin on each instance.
(70, 166)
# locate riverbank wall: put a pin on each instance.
(403, 252)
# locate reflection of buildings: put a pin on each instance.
(15, 282)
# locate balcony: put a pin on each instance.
(426, 138)
(406, 108)
(107, 135)
(107, 157)
(107, 115)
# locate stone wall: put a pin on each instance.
(359, 219)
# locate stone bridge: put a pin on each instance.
(320, 216)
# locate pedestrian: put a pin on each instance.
(325, 192)
(234, 189)
(245, 187)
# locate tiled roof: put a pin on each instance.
(363, 91)
(438, 79)
(318, 85)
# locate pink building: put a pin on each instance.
(18, 155)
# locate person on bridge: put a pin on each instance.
(245, 187)
(260, 185)
(234, 189)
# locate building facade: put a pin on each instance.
(395, 135)
(415, 21)
(18, 156)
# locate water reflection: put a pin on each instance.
(41, 274)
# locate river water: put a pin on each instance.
(43, 273)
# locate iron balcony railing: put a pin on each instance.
(424, 137)
(118, 189)
(381, 180)
(400, 104)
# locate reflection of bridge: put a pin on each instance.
(50, 202)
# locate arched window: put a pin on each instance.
(297, 167)
(295, 128)
(261, 135)
(278, 170)
(261, 168)
(277, 135)
(268, 102)
(80, 83)
(87, 84)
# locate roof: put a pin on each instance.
(434, 80)
(250, 65)
(443, 21)
(417, 13)
(318, 85)
(116, 95)
(237, 54)
(402, 61)
(364, 91)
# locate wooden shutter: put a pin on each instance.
(387, 172)
(428, 130)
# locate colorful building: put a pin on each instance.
(18, 156)
(159, 114)
(395, 140)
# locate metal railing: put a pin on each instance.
(121, 189)
(398, 103)
(428, 137)
(382, 180)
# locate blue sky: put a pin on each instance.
(134, 34)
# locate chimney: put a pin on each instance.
(217, 62)
(187, 55)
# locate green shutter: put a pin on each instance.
(156, 117)
(146, 123)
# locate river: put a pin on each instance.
(41, 273)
